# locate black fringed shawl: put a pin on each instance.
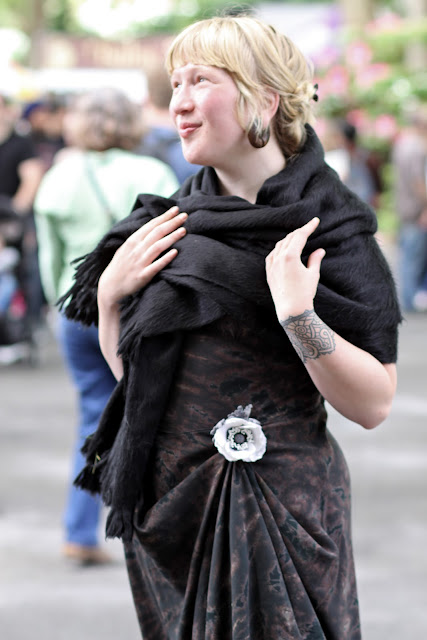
(219, 270)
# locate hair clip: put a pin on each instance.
(315, 96)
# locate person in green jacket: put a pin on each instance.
(93, 183)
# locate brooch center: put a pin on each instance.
(239, 438)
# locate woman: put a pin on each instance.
(237, 526)
(80, 198)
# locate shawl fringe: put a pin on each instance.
(119, 524)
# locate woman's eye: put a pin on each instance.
(201, 79)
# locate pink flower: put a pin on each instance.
(387, 22)
(326, 57)
(369, 76)
(362, 121)
(385, 126)
(336, 81)
(358, 54)
(321, 127)
(358, 118)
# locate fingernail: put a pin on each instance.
(183, 215)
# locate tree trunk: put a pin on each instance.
(357, 13)
(416, 53)
(36, 33)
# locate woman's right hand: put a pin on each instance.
(137, 261)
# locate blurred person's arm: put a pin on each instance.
(420, 188)
(48, 220)
(422, 220)
(30, 173)
(417, 181)
(50, 255)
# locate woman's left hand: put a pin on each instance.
(292, 285)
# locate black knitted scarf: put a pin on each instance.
(220, 270)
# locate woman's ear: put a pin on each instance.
(272, 100)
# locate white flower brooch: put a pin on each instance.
(239, 437)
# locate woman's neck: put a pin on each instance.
(246, 177)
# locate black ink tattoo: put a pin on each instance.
(309, 335)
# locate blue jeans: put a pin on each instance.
(94, 383)
(413, 257)
(8, 286)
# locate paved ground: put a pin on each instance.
(44, 598)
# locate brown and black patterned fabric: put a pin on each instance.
(237, 550)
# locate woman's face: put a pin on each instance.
(203, 108)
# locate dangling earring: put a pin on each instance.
(258, 140)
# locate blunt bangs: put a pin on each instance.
(214, 43)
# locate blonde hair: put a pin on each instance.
(108, 119)
(258, 59)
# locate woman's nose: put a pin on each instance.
(181, 101)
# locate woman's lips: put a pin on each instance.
(186, 129)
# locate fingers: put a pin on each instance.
(156, 236)
(165, 228)
(307, 228)
(156, 266)
(297, 239)
(315, 259)
(143, 231)
(156, 247)
(312, 224)
(167, 215)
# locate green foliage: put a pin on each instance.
(188, 11)
(388, 221)
(396, 88)
(60, 15)
(389, 45)
(29, 15)
(14, 13)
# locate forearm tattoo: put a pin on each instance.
(309, 335)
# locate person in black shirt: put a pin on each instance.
(20, 175)
(20, 169)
